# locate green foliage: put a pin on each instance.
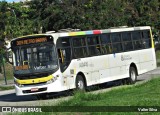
(146, 94)
(95, 14)
(14, 20)
(158, 55)
(17, 19)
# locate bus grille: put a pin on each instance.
(39, 90)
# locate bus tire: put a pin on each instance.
(132, 75)
(80, 83)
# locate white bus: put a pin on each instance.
(55, 62)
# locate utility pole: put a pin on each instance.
(4, 71)
(3, 66)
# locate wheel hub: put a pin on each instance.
(133, 75)
(80, 85)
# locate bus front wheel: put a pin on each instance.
(80, 84)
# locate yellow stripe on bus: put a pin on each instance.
(33, 81)
(152, 38)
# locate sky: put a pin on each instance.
(12, 0)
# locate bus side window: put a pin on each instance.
(106, 49)
(146, 40)
(146, 34)
(136, 37)
(106, 44)
(137, 45)
(109, 48)
(79, 47)
(127, 41)
(116, 42)
(94, 45)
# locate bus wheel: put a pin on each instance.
(132, 75)
(80, 84)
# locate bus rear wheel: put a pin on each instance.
(80, 83)
(132, 75)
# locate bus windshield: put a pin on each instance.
(35, 59)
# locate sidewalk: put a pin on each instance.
(9, 83)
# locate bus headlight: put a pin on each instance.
(16, 83)
(52, 80)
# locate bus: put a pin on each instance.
(55, 62)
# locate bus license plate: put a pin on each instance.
(34, 89)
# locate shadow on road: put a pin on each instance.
(13, 98)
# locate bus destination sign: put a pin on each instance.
(31, 41)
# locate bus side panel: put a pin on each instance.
(82, 65)
(146, 60)
(68, 79)
(129, 58)
(100, 70)
(117, 66)
(105, 71)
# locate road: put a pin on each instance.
(8, 98)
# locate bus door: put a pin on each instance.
(65, 57)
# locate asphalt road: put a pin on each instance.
(9, 98)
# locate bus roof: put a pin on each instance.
(89, 32)
(92, 32)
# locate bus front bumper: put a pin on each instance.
(38, 89)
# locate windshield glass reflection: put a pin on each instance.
(35, 59)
